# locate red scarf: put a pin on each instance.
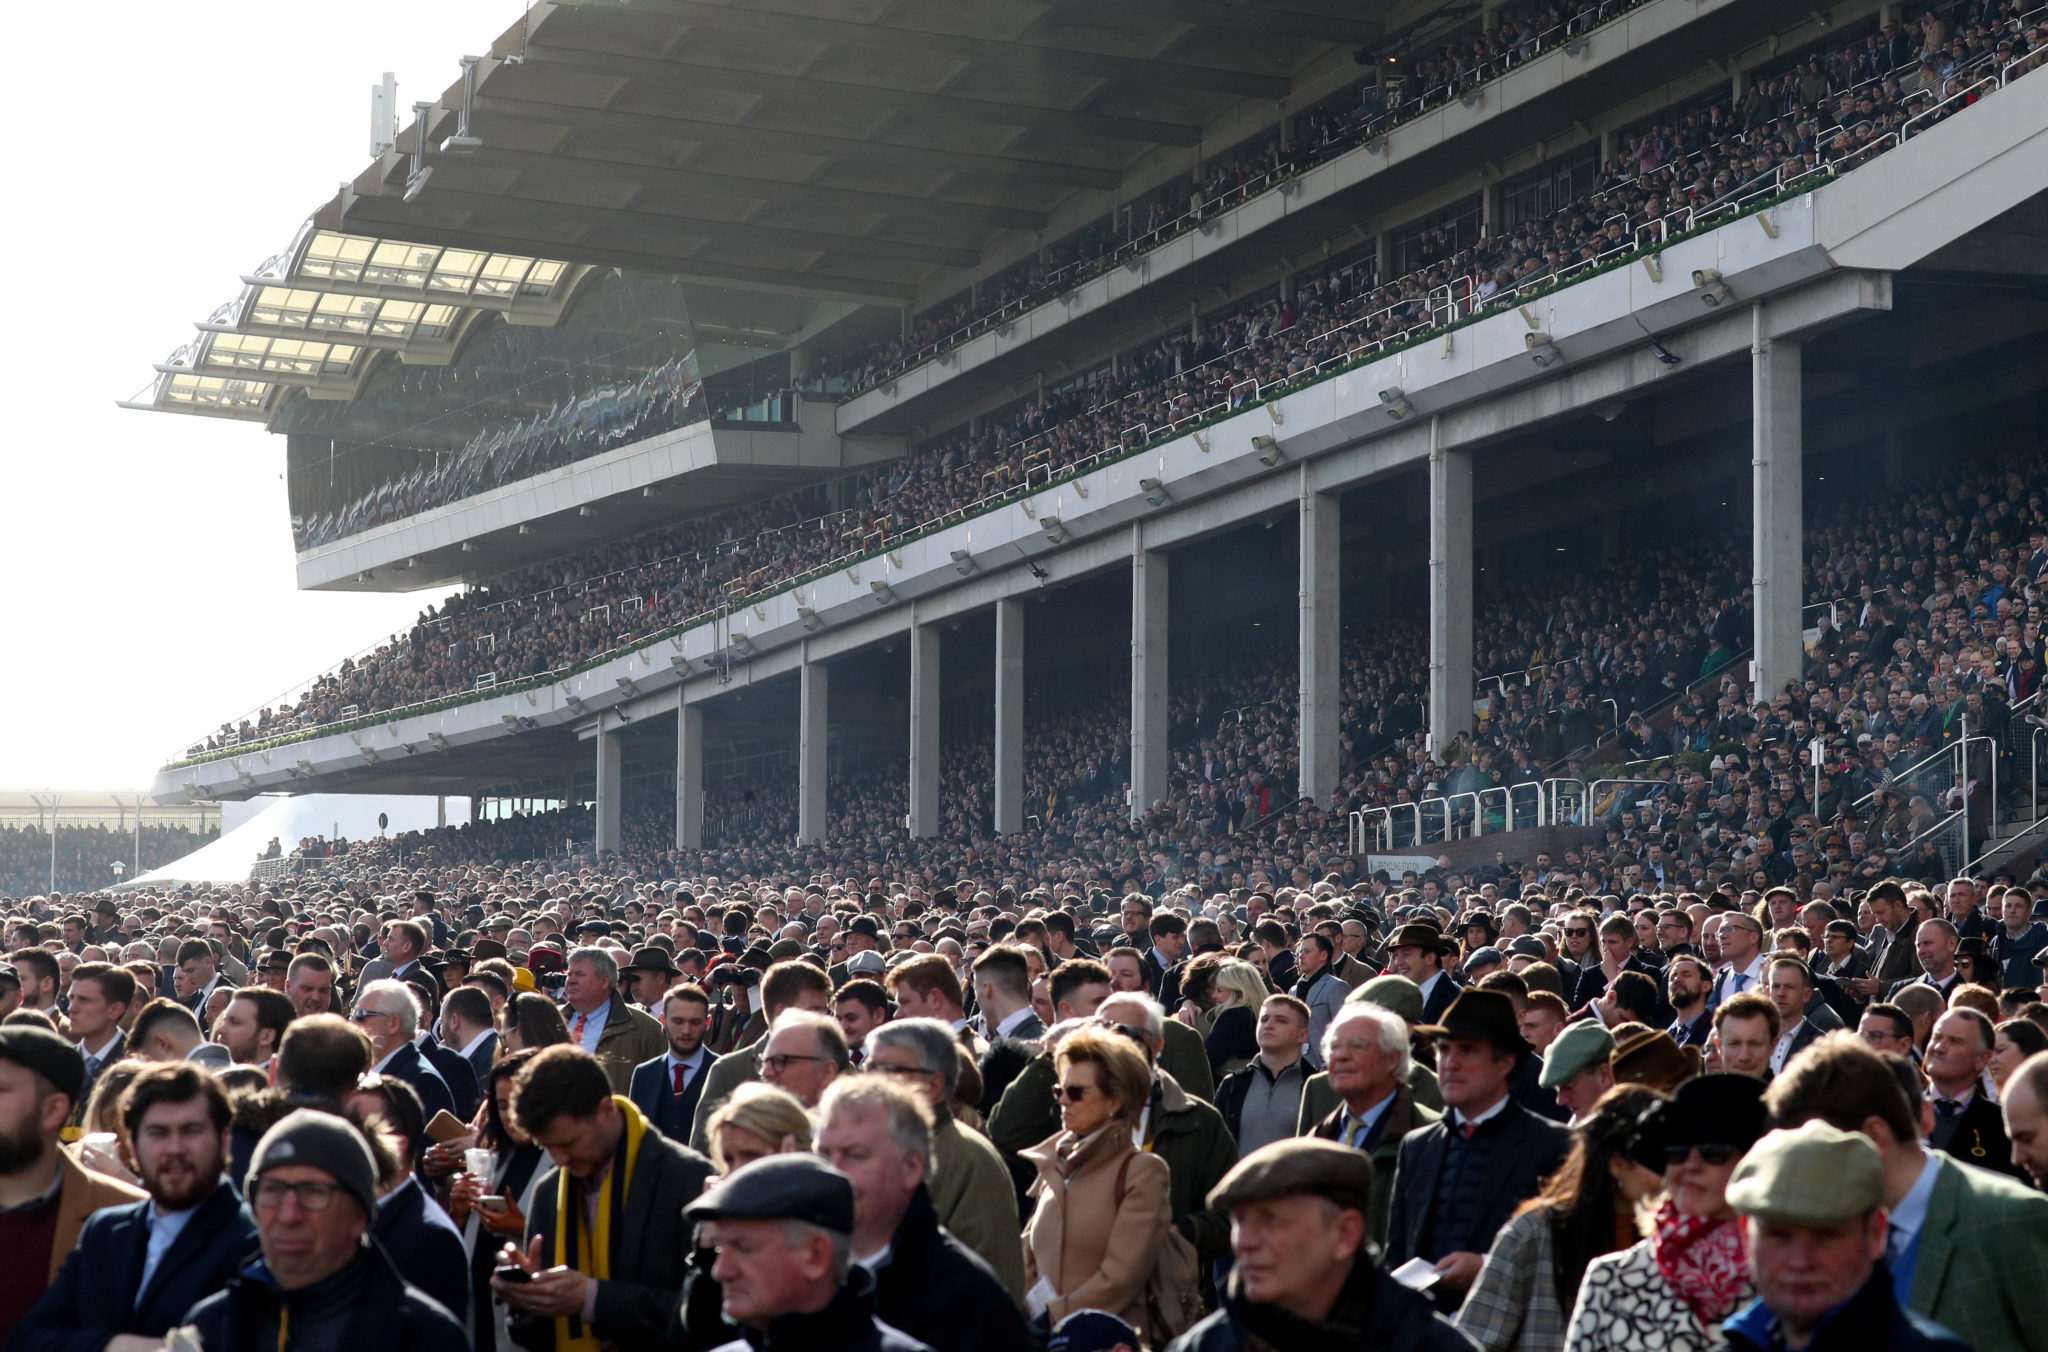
(1703, 1262)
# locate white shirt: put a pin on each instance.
(1430, 985)
(164, 1229)
(1458, 1118)
(1749, 978)
(93, 1057)
(694, 1063)
(475, 1042)
(1784, 1047)
(1017, 1016)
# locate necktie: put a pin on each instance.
(1469, 1128)
(1948, 1107)
(581, 1019)
(1354, 1132)
(682, 1078)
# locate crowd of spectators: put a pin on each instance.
(1837, 106)
(811, 1106)
(86, 855)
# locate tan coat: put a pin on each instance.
(1096, 1253)
(83, 1193)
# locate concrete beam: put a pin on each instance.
(689, 776)
(610, 764)
(1450, 596)
(1321, 633)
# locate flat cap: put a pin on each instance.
(1814, 1175)
(1394, 993)
(1578, 1046)
(48, 1055)
(1297, 1165)
(781, 1188)
(1528, 946)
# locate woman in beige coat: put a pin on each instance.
(1102, 1212)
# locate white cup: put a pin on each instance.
(478, 1162)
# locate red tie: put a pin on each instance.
(1469, 1128)
(682, 1076)
(578, 1034)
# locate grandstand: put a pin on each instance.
(1151, 438)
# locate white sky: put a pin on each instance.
(161, 152)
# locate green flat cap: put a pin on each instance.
(1812, 1175)
(1395, 994)
(1296, 1166)
(1578, 1046)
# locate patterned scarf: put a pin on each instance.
(1703, 1262)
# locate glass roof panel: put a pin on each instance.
(429, 269)
(213, 392)
(336, 256)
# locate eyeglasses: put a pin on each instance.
(365, 1015)
(780, 1062)
(1073, 1093)
(1714, 1153)
(269, 1194)
(882, 1069)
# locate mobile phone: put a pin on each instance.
(512, 1272)
(491, 1204)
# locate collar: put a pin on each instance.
(1009, 1025)
(693, 1060)
(104, 1047)
(476, 1042)
(1495, 1111)
(1911, 1212)
(1372, 1114)
(1430, 985)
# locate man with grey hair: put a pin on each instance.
(1187, 1132)
(603, 1022)
(389, 1013)
(927, 1283)
(1370, 1065)
(970, 1185)
(804, 1054)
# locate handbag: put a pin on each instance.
(1173, 1289)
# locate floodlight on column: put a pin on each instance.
(1155, 492)
(963, 563)
(1713, 290)
(1395, 403)
(880, 590)
(1542, 351)
(1268, 449)
(462, 143)
(626, 686)
(1054, 531)
(810, 618)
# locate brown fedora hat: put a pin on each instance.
(1428, 938)
(1484, 1016)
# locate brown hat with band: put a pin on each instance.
(1482, 1016)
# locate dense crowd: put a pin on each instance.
(86, 855)
(420, 1100)
(1842, 103)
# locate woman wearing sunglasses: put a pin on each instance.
(1102, 1212)
(1672, 1289)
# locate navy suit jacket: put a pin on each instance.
(425, 1246)
(94, 1296)
(653, 1093)
(407, 1064)
(462, 1078)
(481, 1059)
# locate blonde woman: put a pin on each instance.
(759, 1120)
(1239, 989)
(1102, 1213)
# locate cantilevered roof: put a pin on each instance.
(849, 148)
(316, 315)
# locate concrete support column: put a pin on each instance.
(1383, 256)
(812, 688)
(924, 731)
(689, 776)
(609, 788)
(1894, 453)
(1450, 593)
(1148, 675)
(799, 364)
(1489, 210)
(1009, 717)
(1321, 632)
(1778, 519)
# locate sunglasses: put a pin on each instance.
(1675, 1155)
(1578, 934)
(1073, 1093)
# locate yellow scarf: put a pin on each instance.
(593, 1244)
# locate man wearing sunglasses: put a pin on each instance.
(313, 1189)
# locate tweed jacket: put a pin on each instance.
(1983, 1260)
(1513, 1304)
